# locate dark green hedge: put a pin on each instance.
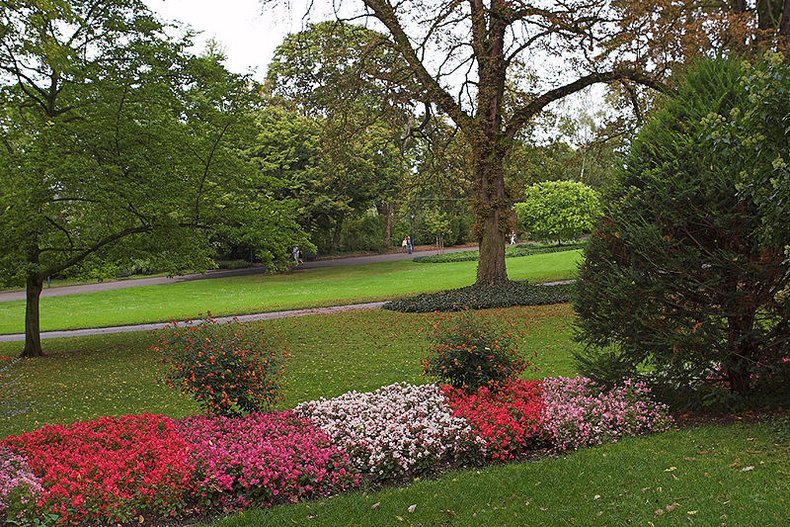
(509, 294)
(510, 252)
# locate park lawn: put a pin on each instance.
(83, 378)
(697, 473)
(260, 293)
(699, 476)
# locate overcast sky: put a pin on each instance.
(247, 31)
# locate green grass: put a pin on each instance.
(258, 293)
(697, 473)
(693, 476)
(83, 378)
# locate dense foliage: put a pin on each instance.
(510, 252)
(469, 350)
(688, 273)
(558, 210)
(506, 294)
(229, 369)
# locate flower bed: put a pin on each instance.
(263, 459)
(397, 431)
(115, 468)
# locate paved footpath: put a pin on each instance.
(162, 280)
(159, 325)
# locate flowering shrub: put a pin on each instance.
(262, 459)
(228, 368)
(396, 431)
(577, 413)
(108, 469)
(470, 350)
(507, 418)
(19, 487)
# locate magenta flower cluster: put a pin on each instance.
(578, 413)
(262, 459)
(397, 431)
(18, 485)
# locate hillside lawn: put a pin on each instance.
(261, 293)
(694, 476)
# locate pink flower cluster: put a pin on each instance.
(263, 459)
(397, 431)
(507, 418)
(19, 487)
(578, 413)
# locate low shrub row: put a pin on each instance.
(120, 469)
(507, 294)
(515, 251)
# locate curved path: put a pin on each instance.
(9, 296)
(159, 325)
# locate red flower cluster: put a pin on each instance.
(507, 417)
(109, 468)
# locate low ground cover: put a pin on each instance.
(258, 293)
(511, 251)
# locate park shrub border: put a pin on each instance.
(523, 249)
(507, 294)
(204, 465)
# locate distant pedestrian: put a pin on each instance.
(513, 238)
(409, 245)
(297, 254)
(405, 244)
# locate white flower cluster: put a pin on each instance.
(397, 431)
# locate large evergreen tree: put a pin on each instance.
(688, 272)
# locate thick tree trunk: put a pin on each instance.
(742, 351)
(33, 289)
(492, 216)
(385, 209)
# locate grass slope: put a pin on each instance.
(83, 378)
(258, 293)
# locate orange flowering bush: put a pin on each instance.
(229, 369)
(469, 350)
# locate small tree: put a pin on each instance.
(558, 210)
(229, 369)
(687, 271)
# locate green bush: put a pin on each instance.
(558, 210)
(229, 369)
(469, 350)
(687, 275)
(507, 294)
(515, 251)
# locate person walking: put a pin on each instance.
(405, 244)
(297, 254)
(409, 245)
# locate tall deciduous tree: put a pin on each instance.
(113, 143)
(488, 50)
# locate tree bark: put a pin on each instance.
(34, 285)
(492, 214)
